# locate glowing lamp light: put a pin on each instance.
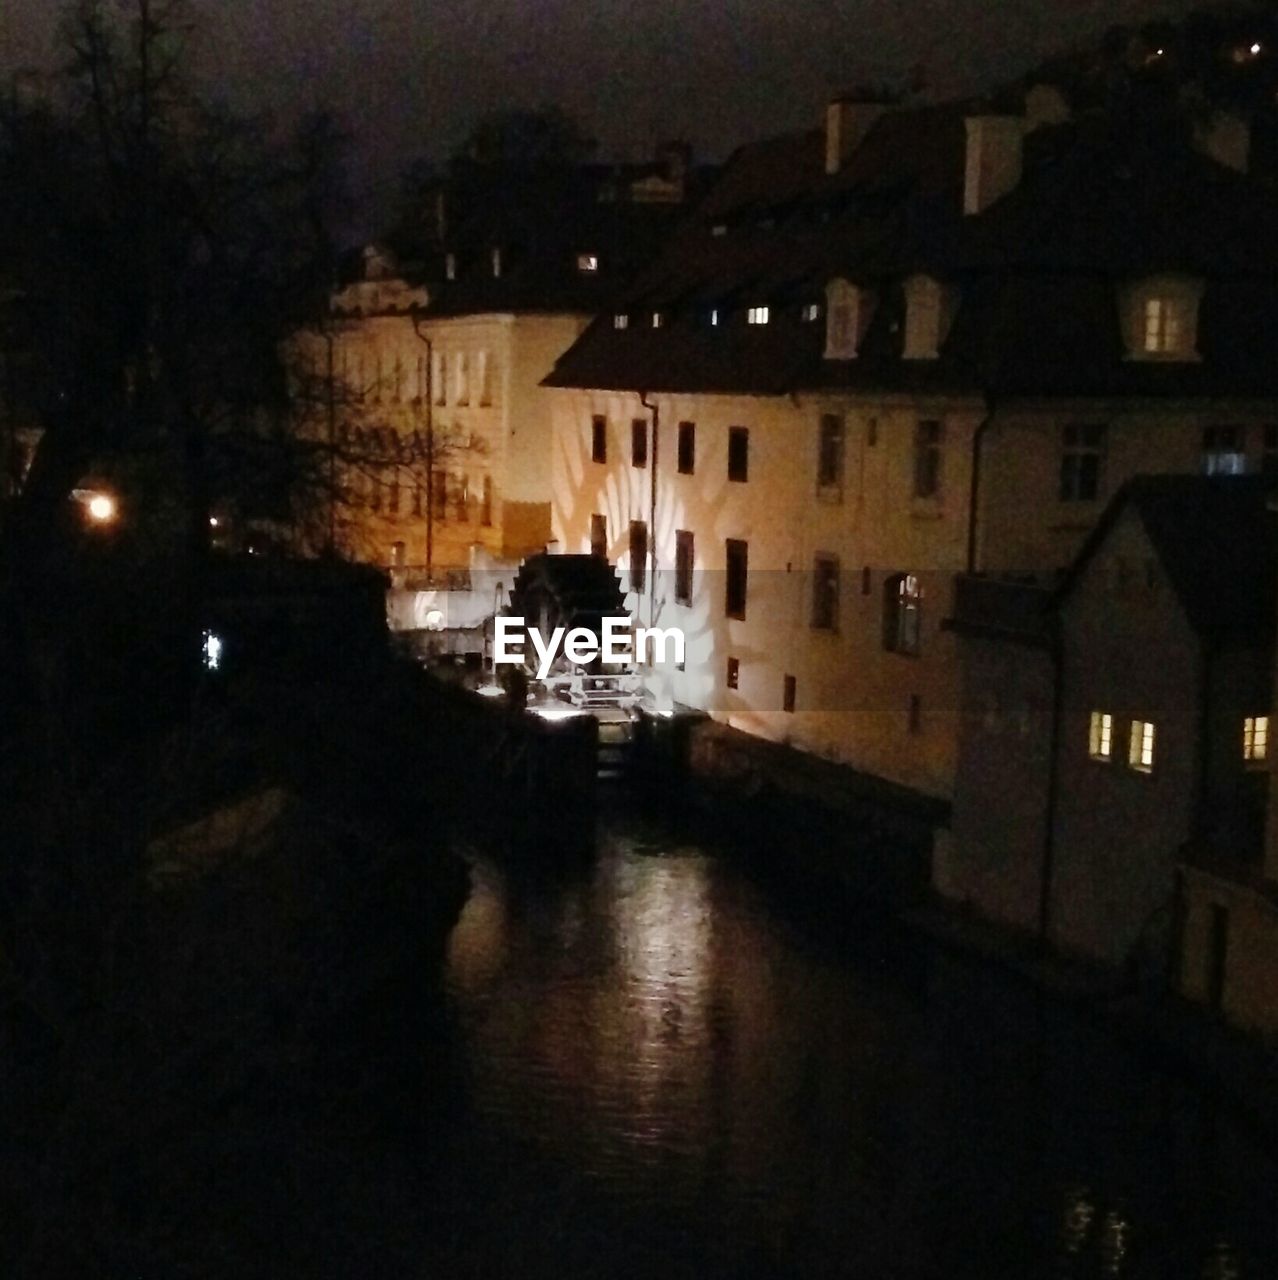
(1255, 47)
(213, 522)
(489, 691)
(102, 508)
(212, 651)
(435, 620)
(550, 711)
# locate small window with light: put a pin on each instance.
(1140, 746)
(757, 315)
(588, 263)
(1256, 740)
(621, 320)
(809, 312)
(1100, 737)
(658, 319)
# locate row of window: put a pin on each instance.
(461, 378)
(685, 451)
(715, 317)
(458, 380)
(1082, 456)
(902, 593)
(1142, 736)
(449, 497)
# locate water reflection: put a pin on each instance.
(669, 1061)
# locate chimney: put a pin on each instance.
(993, 165)
(1226, 139)
(847, 121)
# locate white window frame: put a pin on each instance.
(1100, 737)
(1256, 740)
(1142, 745)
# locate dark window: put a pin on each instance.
(830, 456)
(683, 566)
(439, 495)
(927, 460)
(866, 581)
(825, 593)
(734, 673)
(461, 498)
(734, 604)
(639, 442)
(1269, 459)
(1082, 461)
(687, 448)
(915, 718)
(902, 613)
(418, 498)
(392, 493)
(638, 555)
(599, 536)
(486, 505)
(374, 493)
(1224, 451)
(787, 693)
(738, 453)
(599, 438)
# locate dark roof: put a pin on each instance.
(1037, 272)
(1217, 540)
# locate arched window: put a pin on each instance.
(902, 613)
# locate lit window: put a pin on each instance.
(450, 266)
(587, 262)
(1256, 739)
(1140, 748)
(719, 229)
(1162, 326)
(757, 315)
(902, 614)
(714, 316)
(1100, 737)
(621, 320)
(811, 311)
(658, 319)
(1224, 451)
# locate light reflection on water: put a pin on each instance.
(659, 1049)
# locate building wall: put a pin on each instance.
(1024, 526)
(491, 428)
(879, 711)
(1127, 649)
(996, 853)
(855, 702)
(1249, 992)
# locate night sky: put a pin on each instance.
(410, 76)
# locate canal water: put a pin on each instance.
(669, 1068)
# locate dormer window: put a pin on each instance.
(847, 316)
(713, 316)
(757, 315)
(929, 309)
(809, 312)
(719, 229)
(587, 263)
(1161, 318)
(450, 266)
(621, 320)
(658, 319)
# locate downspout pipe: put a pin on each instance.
(974, 491)
(651, 406)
